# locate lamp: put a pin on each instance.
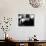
(36, 3)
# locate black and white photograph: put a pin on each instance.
(26, 19)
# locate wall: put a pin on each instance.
(11, 8)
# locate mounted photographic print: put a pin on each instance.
(26, 19)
